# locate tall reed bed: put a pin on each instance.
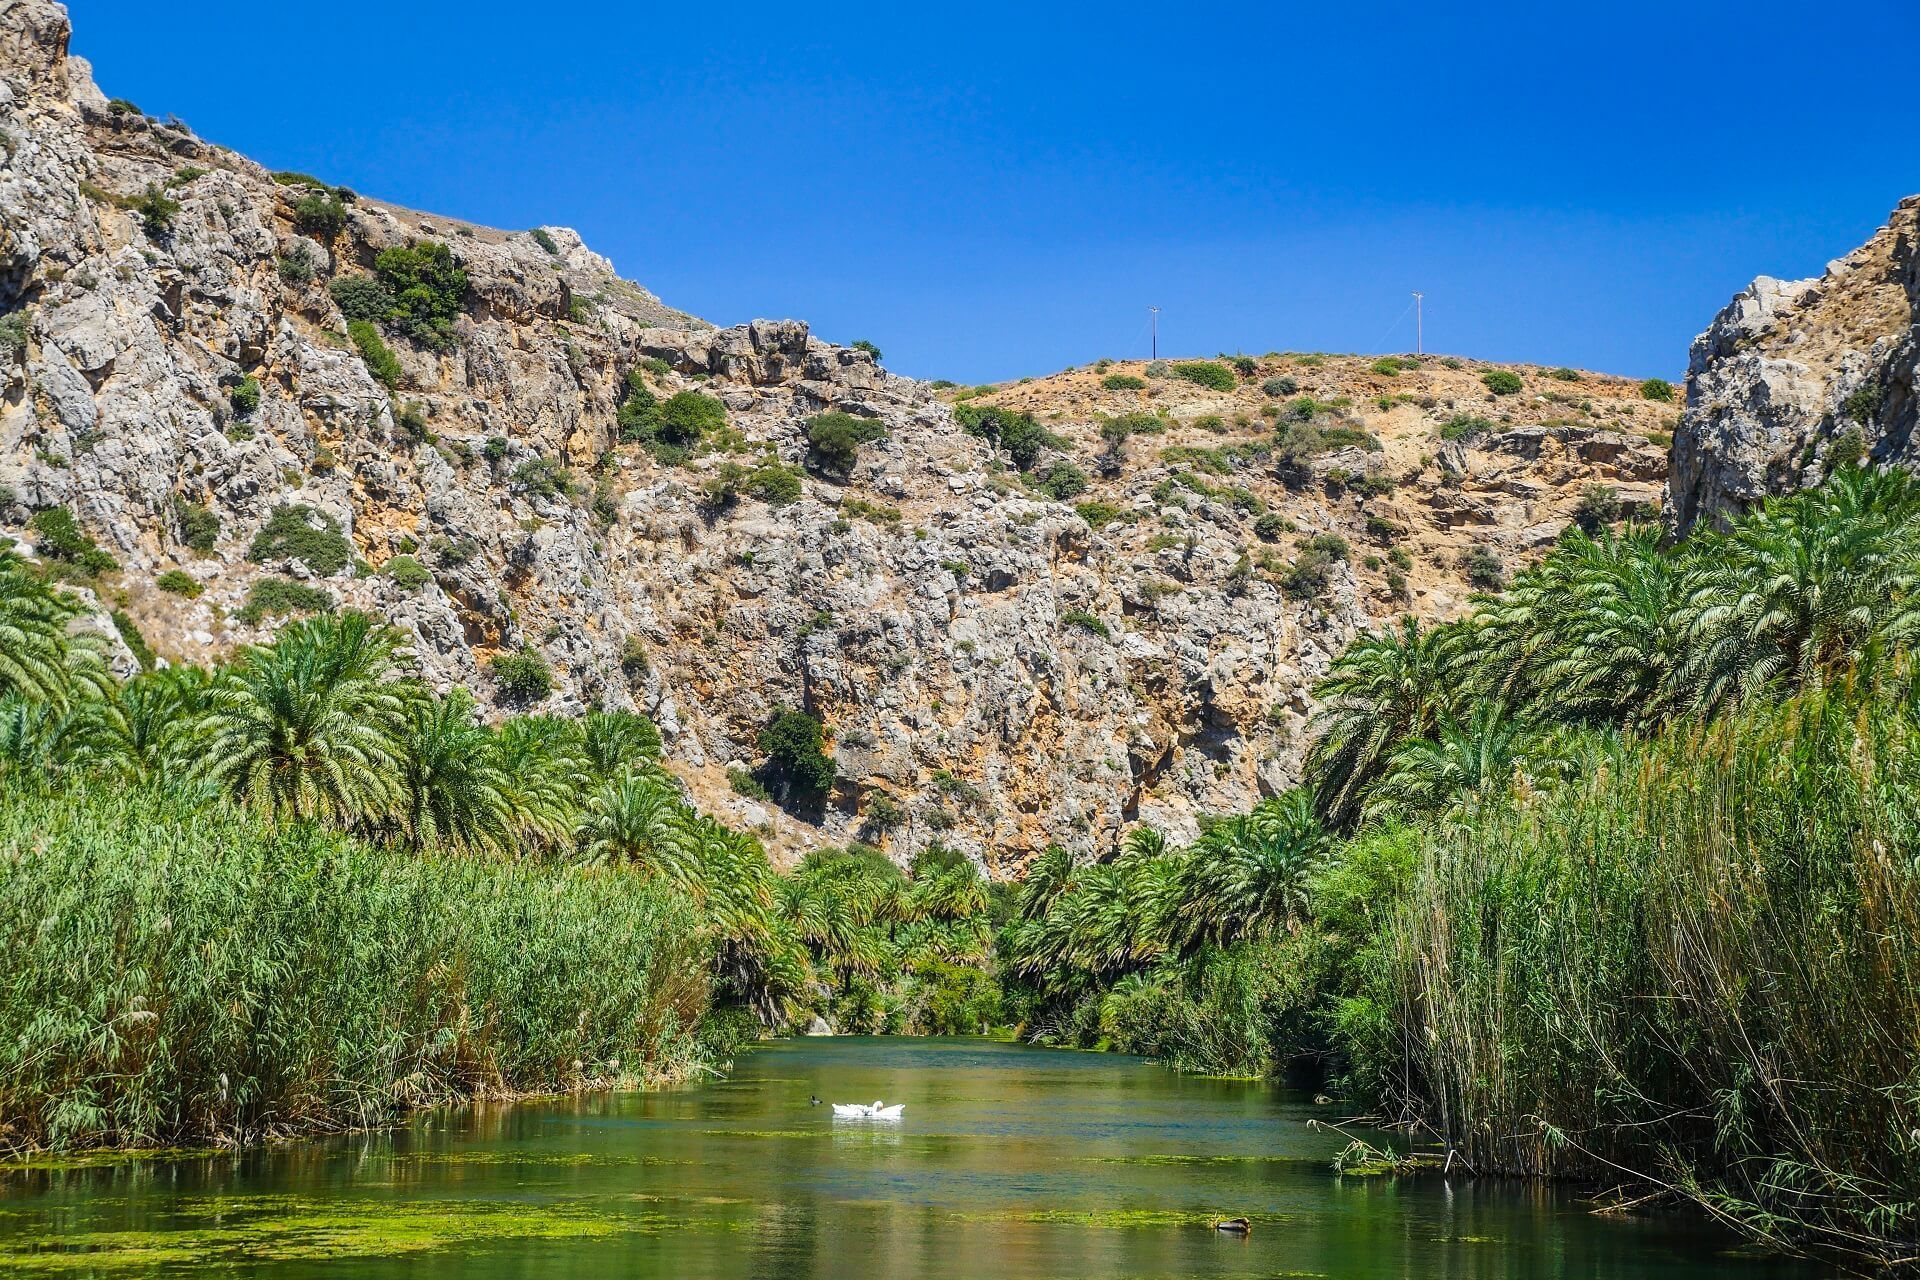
(172, 972)
(1701, 967)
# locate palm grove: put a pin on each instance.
(1614, 875)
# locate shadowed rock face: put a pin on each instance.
(1007, 670)
(1792, 379)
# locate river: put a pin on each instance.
(1009, 1161)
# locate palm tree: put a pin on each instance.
(613, 740)
(453, 791)
(1612, 654)
(1247, 876)
(637, 818)
(1468, 761)
(543, 775)
(1805, 587)
(1046, 878)
(1382, 690)
(308, 727)
(152, 719)
(35, 648)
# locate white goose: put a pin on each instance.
(874, 1110)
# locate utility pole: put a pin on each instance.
(1418, 307)
(1155, 321)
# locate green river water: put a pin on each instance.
(1009, 1161)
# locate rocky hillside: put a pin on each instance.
(261, 395)
(1793, 378)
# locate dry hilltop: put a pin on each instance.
(1015, 633)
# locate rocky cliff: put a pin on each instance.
(1124, 630)
(1792, 379)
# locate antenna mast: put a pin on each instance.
(1155, 321)
(1418, 306)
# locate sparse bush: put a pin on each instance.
(1279, 388)
(544, 478)
(1062, 480)
(379, 358)
(1462, 425)
(319, 214)
(634, 662)
(295, 266)
(521, 678)
(1599, 507)
(199, 527)
(1269, 527)
(157, 211)
(245, 397)
(1123, 382)
(407, 573)
(58, 536)
(296, 531)
(1245, 366)
(1205, 373)
(1086, 622)
(1565, 375)
(1099, 515)
(1017, 433)
(1657, 389)
(745, 784)
(1390, 366)
(1502, 382)
(282, 597)
(178, 582)
(545, 240)
(1483, 568)
(1863, 405)
(862, 344)
(834, 440)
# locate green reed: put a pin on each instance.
(177, 972)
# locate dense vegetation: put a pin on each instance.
(303, 891)
(1616, 877)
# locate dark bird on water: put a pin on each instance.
(1237, 1226)
(812, 1101)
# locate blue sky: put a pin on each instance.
(993, 190)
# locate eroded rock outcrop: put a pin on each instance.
(1793, 378)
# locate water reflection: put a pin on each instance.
(1009, 1162)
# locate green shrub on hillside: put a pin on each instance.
(296, 531)
(319, 214)
(1123, 382)
(379, 358)
(58, 536)
(1215, 377)
(1657, 389)
(521, 678)
(428, 290)
(1502, 382)
(282, 597)
(178, 582)
(834, 440)
(245, 396)
(198, 525)
(797, 766)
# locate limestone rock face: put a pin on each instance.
(1792, 379)
(1006, 661)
